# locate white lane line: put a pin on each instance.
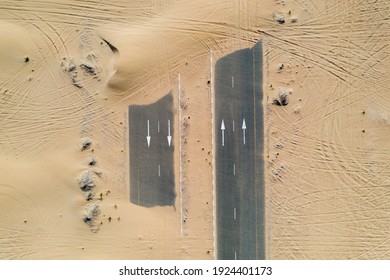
(232, 82)
(233, 125)
(158, 126)
(235, 213)
(234, 169)
(159, 171)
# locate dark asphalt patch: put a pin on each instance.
(152, 178)
(239, 155)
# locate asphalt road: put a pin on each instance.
(152, 178)
(239, 161)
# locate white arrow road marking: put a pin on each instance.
(169, 137)
(223, 132)
(243, 129)
(234, 169)
(234, 213)
(148, 137)
(159, 171)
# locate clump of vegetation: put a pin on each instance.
(86, 144)
(86, 182)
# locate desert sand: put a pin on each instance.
(69, 71)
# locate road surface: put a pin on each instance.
(152, 178)
(239, 155)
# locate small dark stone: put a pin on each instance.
(26, 59)
(87, 219)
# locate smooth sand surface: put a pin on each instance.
(69, 71)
